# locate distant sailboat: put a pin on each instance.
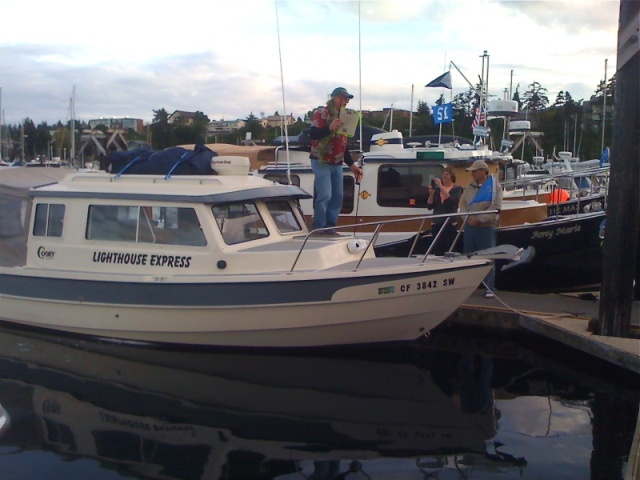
(72, 125)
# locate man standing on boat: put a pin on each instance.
(328, 152)
(484, 193)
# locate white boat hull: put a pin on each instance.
(401, 304)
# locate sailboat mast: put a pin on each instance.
(72, 110)
(411, 112)
(604, 103)
(1, 129)
(484, 85)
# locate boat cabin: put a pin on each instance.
(152, 224)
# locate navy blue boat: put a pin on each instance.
(567, 253)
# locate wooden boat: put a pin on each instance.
(395, 187)
(204, 259)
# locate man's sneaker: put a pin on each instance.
(488, 294)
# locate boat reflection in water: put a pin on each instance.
(150, 413)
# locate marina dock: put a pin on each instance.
(562, 317)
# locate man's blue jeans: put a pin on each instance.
(327, 184)
(479, 238)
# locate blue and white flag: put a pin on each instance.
(485, 193)
(443, 113)
(443, 80)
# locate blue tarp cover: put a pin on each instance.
(174, 160)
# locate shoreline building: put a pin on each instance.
(119, 123)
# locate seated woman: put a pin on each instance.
(444, 196)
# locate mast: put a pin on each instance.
(22, 156)
(484, 88)
(482, 130)
(411, 112)
(604, 103)
(72, 110)
(1, 129)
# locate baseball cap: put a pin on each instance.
(341, 92)
(478, 165)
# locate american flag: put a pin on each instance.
(479, 118)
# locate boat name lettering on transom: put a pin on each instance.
(549, 234)
(542, 234)
(568, 230)
(143, 259)
(44, 253)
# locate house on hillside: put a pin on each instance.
(180, 116)
(224, 126)
(276, 120)
(118, 123)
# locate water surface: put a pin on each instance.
(454, 406)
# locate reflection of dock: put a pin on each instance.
(565, 319)
(562, 318)
(633, 467)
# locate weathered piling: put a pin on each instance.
(623, 211)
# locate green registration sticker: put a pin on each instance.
(385, 290)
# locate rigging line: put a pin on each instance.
(360, 156)
(283, 123)
(360, 75)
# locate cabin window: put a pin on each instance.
(239, 222)
(283, 216)
(49, 219)
(405, 185)
(13, 212)
(283, 179)
(348, 189)
(145, 224)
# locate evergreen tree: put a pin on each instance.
(536, 97)
(516, 97)
(161, 134)
(42, 139)
(252, 125)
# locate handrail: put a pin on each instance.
(578, 194)
(379, 224)
(540, 178)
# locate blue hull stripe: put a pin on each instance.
(190, 294)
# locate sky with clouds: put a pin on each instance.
(228, 59)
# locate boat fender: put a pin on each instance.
(560, 195)
(355, 246)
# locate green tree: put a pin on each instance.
(185, 133)
(464, 103)
(536, 97)
(61, 140)
(161, 132)
(516, 97)
(42, 139)
(29, 138)
(610, 89)
(252, 125)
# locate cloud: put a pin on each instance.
(230, 59)
(577, 16)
